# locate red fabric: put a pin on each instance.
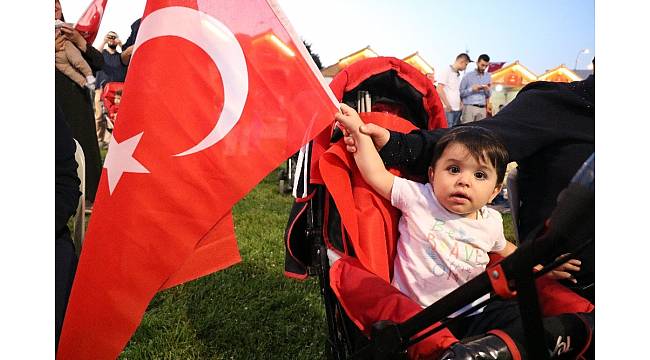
(353, 75)
(556, 299)
(161, 218)
(366, 299)
(369, 219)
(88, 23)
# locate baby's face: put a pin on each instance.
(461, 183)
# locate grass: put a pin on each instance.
(248, 311)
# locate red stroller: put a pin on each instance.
(339, 212)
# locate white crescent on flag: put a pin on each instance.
(213, 37)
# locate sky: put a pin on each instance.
(540, 34)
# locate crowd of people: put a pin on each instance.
(465, 95)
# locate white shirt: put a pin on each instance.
(450, 78)
(438, 251)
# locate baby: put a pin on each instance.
(70, 62)
(446, 230)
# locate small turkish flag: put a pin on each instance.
(88, 23)
(217, 95)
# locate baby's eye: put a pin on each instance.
(454, 169)
(480, 175)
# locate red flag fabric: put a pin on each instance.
(217, 95)
(88, 23)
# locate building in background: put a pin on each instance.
(559, 74)
(331, 71)
(414, 59)
(506, 80)
(419, 63)
(506, 83)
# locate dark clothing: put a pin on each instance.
(504, 315)
(113, 69)
(134, 32)
(77, 107)
(548, 130)
(65, 171)
(65, 204)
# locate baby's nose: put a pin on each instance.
(464, 179)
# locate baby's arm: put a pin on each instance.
(367, 158)
(559, 273)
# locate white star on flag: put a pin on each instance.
(119, 160)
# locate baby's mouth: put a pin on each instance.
(459, 196)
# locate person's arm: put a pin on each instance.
(93, 57)
(507, 250)
(125, 56)
(465, 89)
(488, 92)
(411, 152)
(441, 93)
(561, 272)
(368, 161)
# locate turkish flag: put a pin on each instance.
(218, 94)
(88, 23)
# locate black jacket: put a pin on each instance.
(65, 174)
(77, 106)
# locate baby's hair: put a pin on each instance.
(482, 144)
(119, 92)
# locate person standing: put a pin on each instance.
(76, 104)
(475, 91)
(66, 199)
(113, 70)
(448, 88)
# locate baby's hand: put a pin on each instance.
(561, 272)
(349, 118)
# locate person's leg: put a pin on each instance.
(65, 265)
(467, 114)
(100, 122)
(566, 335)
(70, 72)
(480, 114)
(457, 115)
(76, 60)
(449, 115)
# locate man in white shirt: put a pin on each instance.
(449, 88)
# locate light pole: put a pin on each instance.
(583, 51)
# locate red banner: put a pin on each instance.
(218, 94)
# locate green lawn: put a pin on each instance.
(249, 311)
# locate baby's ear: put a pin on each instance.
(430, 174)
(497, 190)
